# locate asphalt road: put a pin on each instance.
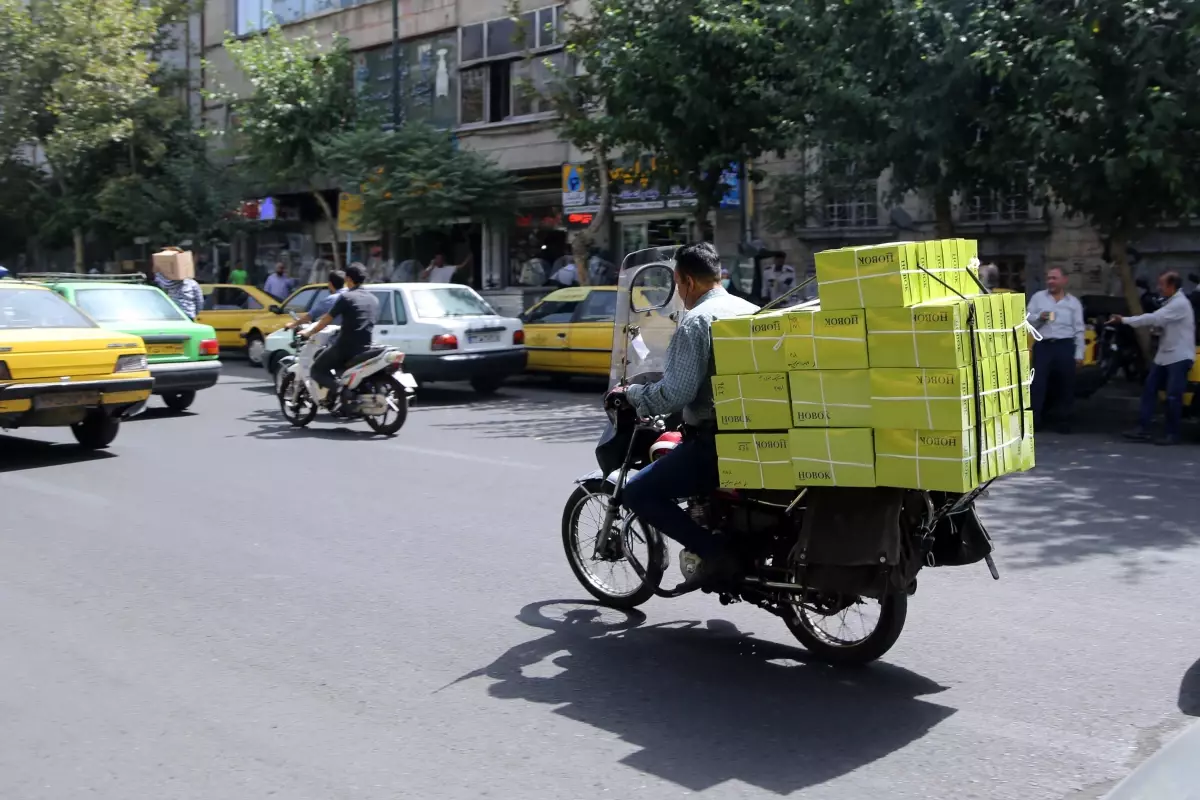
(224, 608)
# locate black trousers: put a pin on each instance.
(1053, 390)
(330, 363)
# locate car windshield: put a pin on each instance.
(127, 305)
(38, 308)
(446, 301)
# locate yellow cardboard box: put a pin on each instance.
(830, 398)
(868, 277)
(819, 339)
(832, 456)
(751, 343)
(929, 334)
(1025, 458)
(985, 326)
(926, 399)
(935, 460)
(757, 402)
(754, 461)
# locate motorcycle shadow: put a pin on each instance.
(707, 703)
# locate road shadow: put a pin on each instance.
(1189, 691)
(1087, 499)
(161, 412)
(705, 703)
(272, 426)
(17, 454)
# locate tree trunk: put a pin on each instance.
(703, 230)
(586, 238)
(943, 215)
(1118, 249)
(77, 237)
(331, 218)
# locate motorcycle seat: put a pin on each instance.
(365, 355)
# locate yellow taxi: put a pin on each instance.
(570, 331)
(59, 368)
(255, 332)
(229, 306)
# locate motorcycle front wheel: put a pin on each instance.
(395, 405)
(303, 409)
(844, 635)
(611, 578)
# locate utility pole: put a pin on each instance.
(395, 65)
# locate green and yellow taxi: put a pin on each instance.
(182, 354)
(570, 331)
(58, 367)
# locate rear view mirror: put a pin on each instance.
(652, 288)
(275, 308)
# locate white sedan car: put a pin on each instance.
(447, 332)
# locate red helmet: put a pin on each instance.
(665, 444)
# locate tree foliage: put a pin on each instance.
(416, 179)
(301, 97)
(699, 84)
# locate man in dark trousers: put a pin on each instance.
(1058, 317)
(359, 311)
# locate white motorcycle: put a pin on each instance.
(373, 386)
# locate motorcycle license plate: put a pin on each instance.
(406, 380)
(482, 338)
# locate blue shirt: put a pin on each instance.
(324, 305)
(686, 384)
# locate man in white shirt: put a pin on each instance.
(1172, 362)
(1058, 317)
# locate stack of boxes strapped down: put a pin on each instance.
(904, 374)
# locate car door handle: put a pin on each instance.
(562, 336)
(384, 331)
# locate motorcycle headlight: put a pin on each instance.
(131, 364)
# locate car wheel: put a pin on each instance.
(255, 347)
(179, 401)
(97, 431)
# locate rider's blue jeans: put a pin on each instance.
(654, 493)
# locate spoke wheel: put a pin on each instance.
(395, 407)
(301, 409)
(847, 630)
(611, 578)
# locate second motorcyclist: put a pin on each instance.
(691, 468)
(358, 310)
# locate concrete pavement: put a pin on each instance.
(223, 607)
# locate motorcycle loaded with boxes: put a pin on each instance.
(855, 434)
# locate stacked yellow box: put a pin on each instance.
(903, 375)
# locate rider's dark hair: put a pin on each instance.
(699, 261)
(337, 278)
(357, 273)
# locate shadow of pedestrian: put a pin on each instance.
(1189, 691)
(706, 703)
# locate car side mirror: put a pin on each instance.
(652, 288)
(275, 308)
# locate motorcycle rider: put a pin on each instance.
(691, 468)
(358, 310)
(337, 287)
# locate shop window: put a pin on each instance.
(995, 207)
(1011, 271)
(257, 15)
(599, 307)
(552, 312)
(428, 80)
(503, 70)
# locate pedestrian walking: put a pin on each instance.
(1173, 361)
(1058, 317)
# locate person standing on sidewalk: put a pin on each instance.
(1058, 317)
(1172, 362)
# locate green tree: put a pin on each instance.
(699, 84)
(74, 72)
(1110, 108)
(302, 98)
(416, 179)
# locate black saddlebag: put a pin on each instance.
(850, 541)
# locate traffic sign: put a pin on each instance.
(574, 192)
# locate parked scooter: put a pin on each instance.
(373, 387)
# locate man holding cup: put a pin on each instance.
(1058, 317)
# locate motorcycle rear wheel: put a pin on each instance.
(593, 497)
(303, 411)
(848, 652)
(397, 400)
